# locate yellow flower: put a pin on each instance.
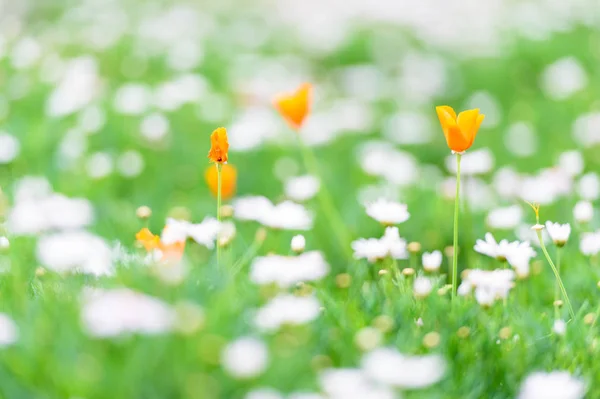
(460, 131)
(228, 180)
(169, 253)
(218, 146)
(147, 239)
(295, 107)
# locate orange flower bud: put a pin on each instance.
(228, 180)
(147, 239)
(295, 107)
(218, 146)
(460, 131)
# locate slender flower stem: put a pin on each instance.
(556, 286)
(456, 212)
(556, 274)
(218, 165)
(324, 197)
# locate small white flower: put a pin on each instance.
(285, 271)
(465, 288)
(389, 367)
(588, 186)
(287, 216)
(302, 188)
(10, 148)
(245, 358)
(287, 309)
(563, 78)
(520, 256)
(583, 212)
(571, 162)
(553, 385)
(226, 233)
(422, 287)
(590, 243)
(432, 261)
(374, 249)
(505, 218)
(4, 243)
(489, 285)
(477, 162)
(352, 384)
(9, 333)
(264, 393)
(111, 313)
(559, 327)
(298, 243)
(204, 233)
(559, 232)
(388, 212)
(498, 250)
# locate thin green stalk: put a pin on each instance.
(556, 286)
(218, 211)
(556, 274)
(324, 197)
(456, 212)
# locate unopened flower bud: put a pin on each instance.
(143, 212)
(414, 247)
(298, 243)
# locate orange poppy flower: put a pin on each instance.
(228, 180)
(460, 131)
(169, 252)
(295, 107)
(218, 146)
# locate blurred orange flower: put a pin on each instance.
(295, 107)
(168, 252)
(460, 131)
(228, 180)
(218, 146)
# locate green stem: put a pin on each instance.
(324, 197)
(218, 211)
(456, 212)
(556, 274)
(556, 286)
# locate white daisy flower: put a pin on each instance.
(110, 313)
(285, 271)
(505, 218)
(432, 261)
(559, 232)
(388, 212)
(553, 385)
(571, 162)
(9, 333)
(287, 216)
(245, 358)
(389, 367)
(352, 384)
(559, 327)
(422, 287)
(583, 212)
(588, 186)
(251, 208)
(374, 249)
(204, 233)
(497, 250)
(489, 285)
(590, 243)
(287, 309)
(302, 188)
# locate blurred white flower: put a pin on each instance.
(374, 249)
(505, 218)
(54, 212)
(545, 187)
(245, 358)
(298, 243)
(352, 384)
(264, 393)
(553, 385)
(184, 55)
(154, 127)
(10, 148)
(75, 251)
(489, 285)
(477, 162)
(588, 186)
(587, 129)
(571, 162)
(590, 243)
(559, 232)
(563, 78)
(9, 333)
(389, 367)
(380, 159)
(4, 243)
(388, 212)
(489, 106)
(226, 234)
(132, 99)
(500, 250)
(25, 53)
(110, 313)
(408, 128)
(77, 88)
(252, 128)
(285, 271)
(477, 192)
(204, 233)
(302, 188)
(507, 182)
(91, 119)
(287, 215)
(559, 327)
(99, 165)
(520, 257)
(130, 164)
(583, 212)
(251, 208)
(287, 309)
(432, 261)
(422, 287)
(521, 140)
